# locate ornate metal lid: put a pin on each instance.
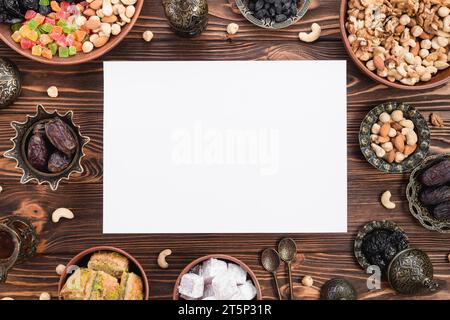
(187, 18)
(10, 82)
(338, 289)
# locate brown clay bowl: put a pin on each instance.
(5, 36)
(439, 79)
(191, 265)
(82, 259)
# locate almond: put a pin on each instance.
(415, 50)
(89, 12)
(397, 126)
(384, 131)
(110, 19)
(390, 156)
(409, 149)
(399, 143)
(378, 61)
(100, 41)
(96, 4)
(93, 24)
(383, 139)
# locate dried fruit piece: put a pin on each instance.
(434, 196)
(442, 211)
(58, 162)
(58, 133)
(437, 175)
(436, 120)
(37, 152)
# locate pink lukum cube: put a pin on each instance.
(50, 21)
(26, 43)
(45, 39)
(30, 14)
(62, 15)
(70, 40)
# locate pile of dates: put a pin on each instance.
(275, 10)
(436, 191)
(13, 11)
(381, 245)
(51, 147)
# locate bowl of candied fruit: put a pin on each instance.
(66, 31)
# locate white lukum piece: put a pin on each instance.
(212, 268)
(230, 282)
(191, 286)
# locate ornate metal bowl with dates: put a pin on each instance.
(421, 128)
(417, 209)
(10, 82)
(19, 150)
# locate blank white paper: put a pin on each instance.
(225, 147)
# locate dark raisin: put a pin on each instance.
(259, 5)
(442, 211)
(280, 18)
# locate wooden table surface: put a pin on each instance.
(321, 256)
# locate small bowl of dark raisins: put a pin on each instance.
(273, 14)
(48, 147)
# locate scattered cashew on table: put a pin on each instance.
(311, 36)
(162, 263)
(386, 200)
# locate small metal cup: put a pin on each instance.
(6, 263)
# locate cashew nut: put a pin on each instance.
(376, 128)
(399, 157)
(232, 28)
(45, 296)
(60, 268)
(385, 117)
(61, 213)
(411, 136)
(107, 8)
(162, 263)
(379, 151)
(7, 298)
(387, 146)
(313, 35)
(386, 200)
(397, 115)
(128, 2)
(307, 281)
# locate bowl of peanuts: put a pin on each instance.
(401, 44)
(394, 137)
(67, 32)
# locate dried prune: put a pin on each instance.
(434, 196)
(437, 175)
(442, 211)
(381, 245)
(37, 152)
(60, 136)
(58, 162)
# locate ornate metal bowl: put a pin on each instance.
(303, 6)
(188, 18)
(369, 227)
(18, 151)
(10, 82)
(411, 272)
(419, 211)
(421, 128)
(338, 289)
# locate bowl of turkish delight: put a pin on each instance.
(217, 277)
(103, 273)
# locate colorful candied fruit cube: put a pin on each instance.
(46, 28)
(32, 35)
(78, 45)
(30, 14)
(53, 47)
(80, 35)
(63, 52)
(36, 50)
(62, 15)
(16, 36)
(70, 39)
(33, 24)
(47, 53)
(61, 23)
(64, 5)
(69, 29)
(16, 27)
(39, 18)
(26, 43)
(44, 2)
(55, 6)
(72, 50)
(50, 21)
(45, 39)
(52, 15)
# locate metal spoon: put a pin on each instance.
(287, 249)
(271, 261)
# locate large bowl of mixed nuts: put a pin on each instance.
(65, 32)
(402, 44)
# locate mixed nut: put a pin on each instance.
(404, 41)
(393, 137)
(51, 147)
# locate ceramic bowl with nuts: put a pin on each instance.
(402, 44)
(394, 137)
(70, 32)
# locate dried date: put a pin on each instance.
(37, 152)
(437, 175)
(434, 196)
(442, 211)
(60, 136)
(58, 162)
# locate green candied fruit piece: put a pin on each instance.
(62, 23)
(46, 28)
(72, 51)
(16, 26)
(44, 2)
(63, 52)
(33, 24)
(69, 29)
(53, 47)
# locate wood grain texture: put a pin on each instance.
(322, 256)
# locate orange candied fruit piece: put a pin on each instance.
(45, 39)
(52, 15)
(80, 35)
(47, 53)
(55, 6)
